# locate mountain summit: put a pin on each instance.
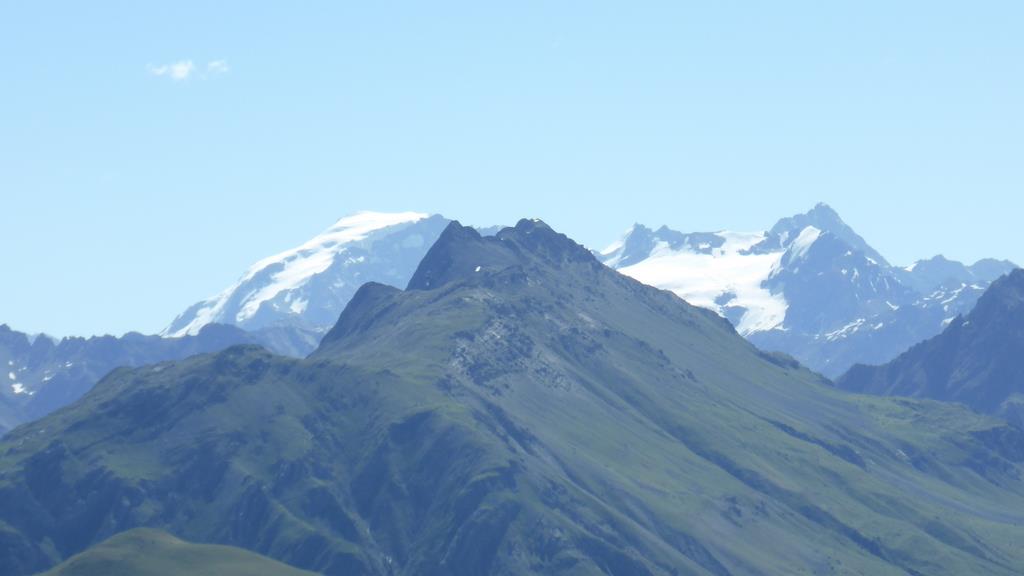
(461, 251)
(810, 286)
(308, 286)
(520, 408)
(825, 220)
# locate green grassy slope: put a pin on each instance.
(147, 552)
(520, 410)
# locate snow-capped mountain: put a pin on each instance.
(810, 286)
(308, 286)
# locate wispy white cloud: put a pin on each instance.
(177, 71)
(217, 66)
(185, 69)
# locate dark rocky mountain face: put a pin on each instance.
(828, 283)
(520, 408)
(41, 375)
(810, 287)
(978, 360)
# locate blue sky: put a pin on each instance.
(131, 188)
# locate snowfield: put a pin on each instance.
(729, 277)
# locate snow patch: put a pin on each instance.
(299, 305)
(956, 294)
(845, 331)
(808, 236)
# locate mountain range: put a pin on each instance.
(42, 374)
(284, 302)
(810, 287)
(978, 360)
(519, 408)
